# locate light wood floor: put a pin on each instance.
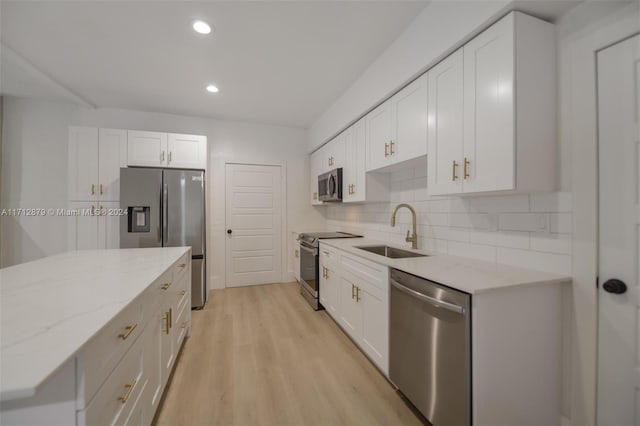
(261, 356)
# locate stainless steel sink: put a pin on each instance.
(391, 252)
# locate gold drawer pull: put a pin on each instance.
(184, 324)
(129, 329)
(386, 149)
(183, 292)
(353, 291)
(454, 176)
(391, 151)
(93, 189)
(165, 317)
(127, 394)
(165, 286)
(101, 191)
(297, 253)
(466, 168)
(182, 265)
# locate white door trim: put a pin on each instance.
(284, 274)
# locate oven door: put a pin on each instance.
(309, 269)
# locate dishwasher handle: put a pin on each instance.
(431, 300)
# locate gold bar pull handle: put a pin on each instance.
(127, 394)
(357, 294)
(386, 149)
(101, 190)
(466, 168)
(297, 253)
(183, 292)
(353, 291)
(391, 151)
(162, 158)
(93, 189)
(315, 195)
(454, 165)
(170, 318)
(169, 156)
(165, 317)
(165, 286)
(353, 188)
(182, 265)
(184, 324)
(129, 329)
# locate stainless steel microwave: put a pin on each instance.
(330, 185)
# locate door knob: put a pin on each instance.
(229, 231)
(614, 286)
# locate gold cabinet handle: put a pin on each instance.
(129, 329)
(315, 195)
(170, 318)
(454, 165)
(101, 190)
(357, 294)
(297, 253)
(466, 168)
(353, 291)
(183, 292)
(162, 159)
(391, 151)
(326, 274)
(184, 324)
(386, 149)
(165, 317)
(182, 265)
(169, 156)
(93, 189)
(165, 286)
(127, 394)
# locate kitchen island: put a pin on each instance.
(88, 336)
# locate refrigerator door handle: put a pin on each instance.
(165, 212)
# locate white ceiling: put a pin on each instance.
(278, 63)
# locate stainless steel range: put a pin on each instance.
(310, 263)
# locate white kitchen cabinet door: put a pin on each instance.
(446, 105)
(489, 114)
(83, 232)
(186, 151)
(378, 134)
(112, 154)
(315, 166)
(83, 164)
(335, 153)
(329, 279)
(153, 367)
(353, 174)
(350, 311)
(167, 348)
(409, 122)
(146, 149)
(108, 225)
(375, 325)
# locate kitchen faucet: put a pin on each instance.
(413, 239)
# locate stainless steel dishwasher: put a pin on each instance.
(430, 348)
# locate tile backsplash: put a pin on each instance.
(526, 230)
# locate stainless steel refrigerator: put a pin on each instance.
(165, 208)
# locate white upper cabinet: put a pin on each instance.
(357, 184)
(147, 149)
(95, 158)
(378, 134)
(83, 164)
(509, 111)
(187, 151)
(316, 161)
(332, 155)
(155, 149)
(396, 130)
(112, 154)
(446, 126)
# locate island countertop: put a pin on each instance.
(468, 275)
(51, 307)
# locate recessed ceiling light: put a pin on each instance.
(211, 88)
(201, 27)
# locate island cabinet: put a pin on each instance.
(117, 377)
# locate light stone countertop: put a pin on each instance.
(468, 275)
(51, 307)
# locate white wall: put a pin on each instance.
(438, 30)
(34, 170)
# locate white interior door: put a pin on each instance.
(619, 235)
(254, 224)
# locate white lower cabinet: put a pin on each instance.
(295, 256)
(356, 295)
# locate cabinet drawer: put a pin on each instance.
(370, 272)
(181, 266)
(100, 356)
(155, 294)
(182, 291)
(180, 326)
(115, 399)
(328, 255)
